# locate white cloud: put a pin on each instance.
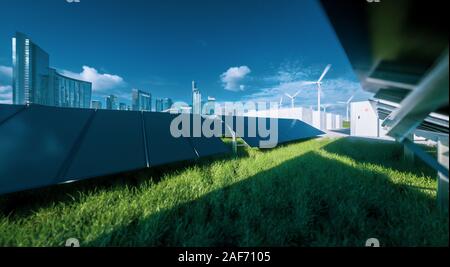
(232, 79)
(6, 71)
(5, 94)
(100, 81)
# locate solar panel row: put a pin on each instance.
(41, 146)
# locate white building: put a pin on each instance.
(364, 120)
(196, 99)
(329, 121)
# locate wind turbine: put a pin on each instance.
(347, 103)
(319, 88)
(325, 106)
(281, 102)
(293, 98)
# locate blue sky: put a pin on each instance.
(235, 50)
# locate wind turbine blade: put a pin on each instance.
(296, 94)
(350, 99)
(327, 68)
(288, 95)
(308, 83)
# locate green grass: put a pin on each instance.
(346, 124)
(324, 192)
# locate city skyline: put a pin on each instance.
(34, 81)
(263, 52)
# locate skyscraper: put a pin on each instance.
(30, 69)
(167, 103)
(158, 105)
(163, 104)
(210, 106)
(35, 82)
(95, 104)
(68, 92)
(141, 100)
(196, 99)
(111, 102)
(122, 106)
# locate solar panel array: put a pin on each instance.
(288, 130)
(42, 146)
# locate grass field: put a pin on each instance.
(324, 192)
(346, 124)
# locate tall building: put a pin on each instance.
(35, 82)
(210, 106)
(111, 102)
(122, 106)
(95, 104)
(167, 103)
(196, 99)
(163, 104)
(69, 92)
(141, 100)
(30, 69)
(158, 105)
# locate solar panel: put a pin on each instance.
(291, 130)
(35, 143)
(7, 111)
(113, 143)
(208, 146)
(163, 148)
(41, 146)
(288, 130)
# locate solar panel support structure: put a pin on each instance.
(408, 154)
(441, 165)
(443, 189)
(144, 140)
(233, 138)
(429, 94)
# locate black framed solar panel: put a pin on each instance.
(112, 143)
(8, 111)
(42, 146)
(287, 130)
(291, 130)
(210, 144)
(162, 147)
(34, 145)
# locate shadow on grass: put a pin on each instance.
(385, 153)
(22, 204)
(345, 131)
(310, 200)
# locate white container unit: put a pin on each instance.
(329, 121)
(364, 120)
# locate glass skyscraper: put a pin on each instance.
(196, 99)
(141, 100)
(111, 102)
(95, 104)
(123, 106)
(210, 106)
(35, 82)
(69, 92)
(163, 104)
